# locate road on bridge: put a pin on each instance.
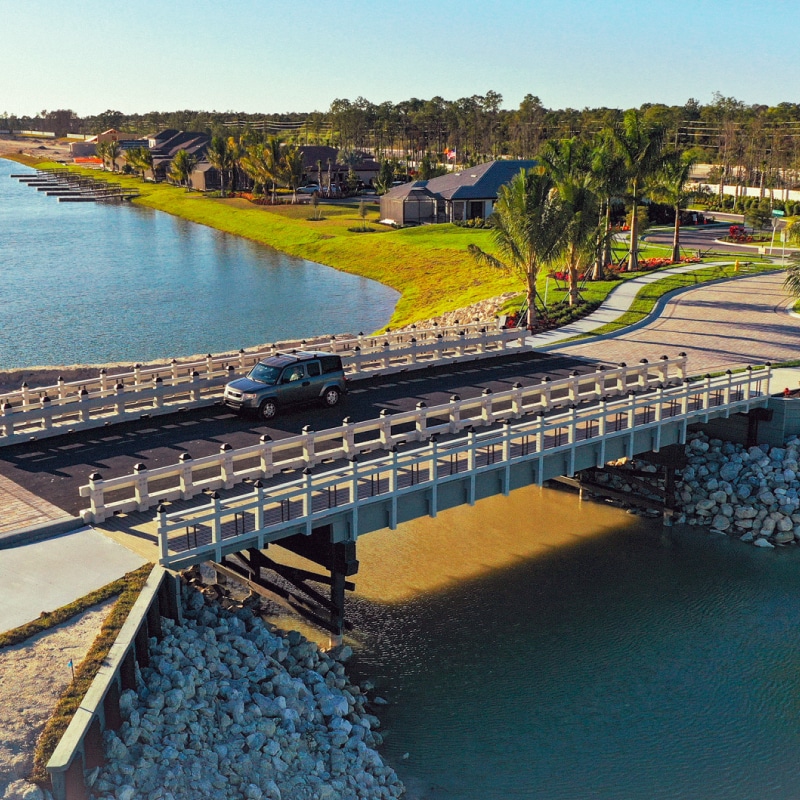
(54, 469)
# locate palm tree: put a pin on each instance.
(640, 145)
(528, 221)
(608, 170)
(670, 187)
(568, 163)
(101, 150)
(183, 163)
(218, 156)
(292, 168)
(792, 281)
(112, 153)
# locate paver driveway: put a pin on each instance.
(721, 326)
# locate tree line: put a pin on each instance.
(754, 144)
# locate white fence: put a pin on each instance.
(265, 515)
(146, 488)
(65, 407)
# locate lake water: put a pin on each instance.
(541, 647)
(99, 282)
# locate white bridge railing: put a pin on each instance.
(65, 407)
(146, 488)
(265, 515)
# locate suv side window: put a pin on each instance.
(331, 363)
(313, 369)
(294, 373)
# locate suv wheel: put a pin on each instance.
(332, 396)
(268, 409)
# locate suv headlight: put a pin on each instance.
(248, 395)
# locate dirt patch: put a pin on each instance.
(35, 674)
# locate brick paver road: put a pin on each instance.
(721, 326)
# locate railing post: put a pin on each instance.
(664, 370)
(482, 344)
(545, 398)
(348, 437)
(574, 389)
(141, 492)
(258, 488)
(308, 498)
(622, 378)
(163, 534)
(354, 493)
(186, 478)
(631, 422)
(309, 455)
(768, 365)
(421, 420)
(413, 355)
(599, 381)
(517, 408)
(47, 416)
(728, 387)
(433, 476)
(226, 465)
(356, 362)
(60, 387)
(685, 397)
(681, 366)
(209, 366)
(471, 463)
(643, 373)
(6, 410)
(385, 427)
(241, 359)
(137, 377)
(707, 393)
(103, 376)
(455, 413)
(540, 431)
(195, 390)
(158, 399)
(97, 507)
(386, 360)
(487, 414)
(83, 413)
(216, 525)
(173, 371)
(266, 455)
(462, 338)
(119, 403)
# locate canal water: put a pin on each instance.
(100, 282)
(537, 646)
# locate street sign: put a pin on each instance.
(776, 212)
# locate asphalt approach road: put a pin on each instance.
(55, 468)
(702, 238)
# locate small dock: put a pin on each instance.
(71, 187)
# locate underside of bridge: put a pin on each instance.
(294, 588)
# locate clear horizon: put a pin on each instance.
(264, 56)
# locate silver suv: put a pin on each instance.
(287, 379)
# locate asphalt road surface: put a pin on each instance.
(55, 468)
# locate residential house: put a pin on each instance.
(326, 158)
(467, 194)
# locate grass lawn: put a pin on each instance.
(428, 265)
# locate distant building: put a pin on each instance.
(469, 193)
(364, 165)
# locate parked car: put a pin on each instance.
(309, 188)
(288, 379)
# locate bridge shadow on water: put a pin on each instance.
(578, 647)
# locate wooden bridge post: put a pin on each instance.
(266, 455)
(186, 479)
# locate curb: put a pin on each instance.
(41, 531)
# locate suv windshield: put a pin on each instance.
(264, 374)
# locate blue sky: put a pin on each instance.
(273, 55)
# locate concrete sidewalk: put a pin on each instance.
(44, 576)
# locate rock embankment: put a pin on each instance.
(752, 493)
(229, 709)
(485, 311)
